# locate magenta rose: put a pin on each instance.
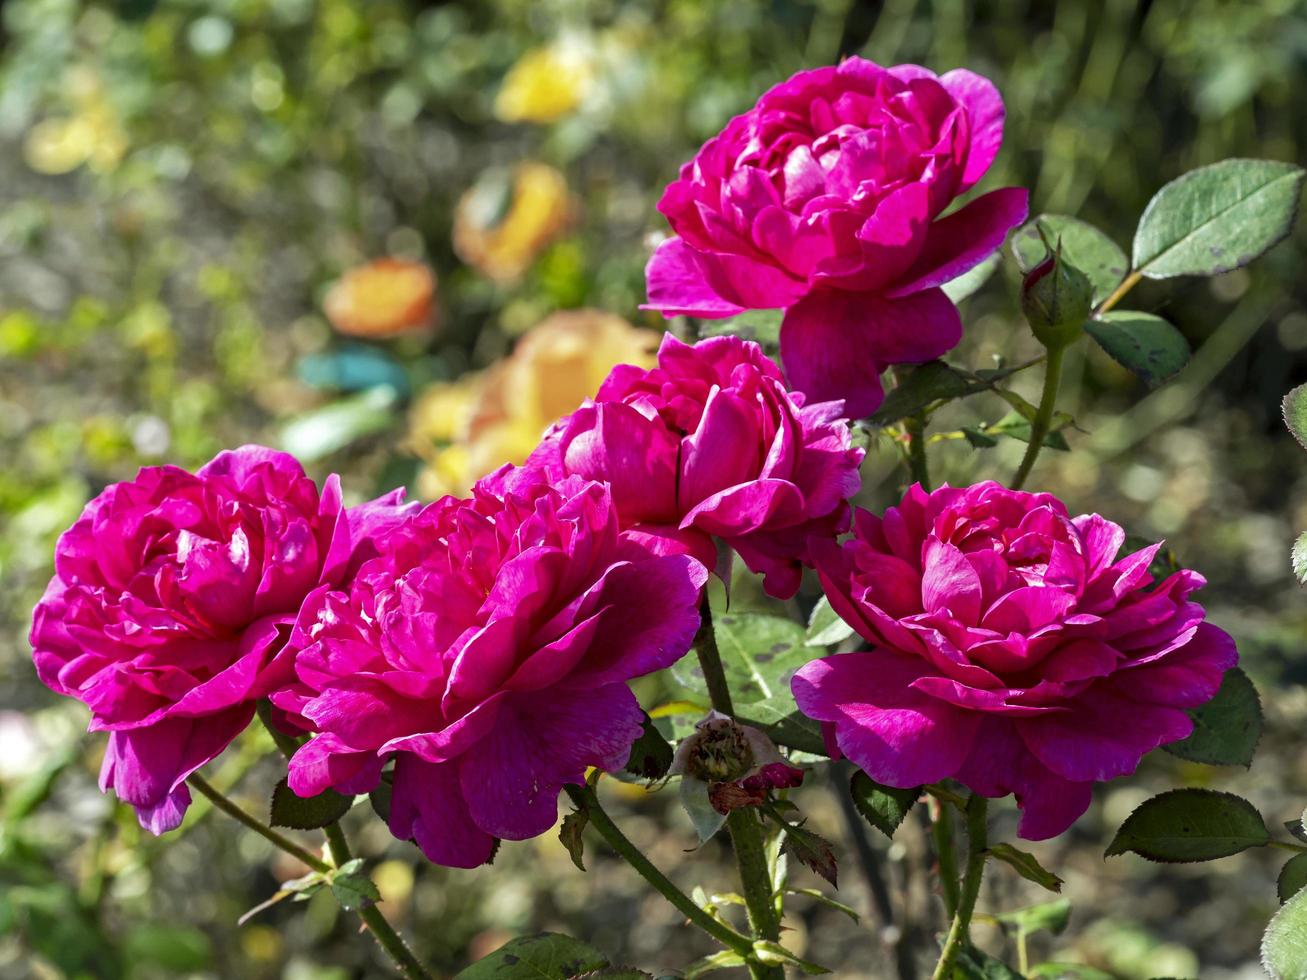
(1012, 650)
(710, 443)
(172, 599)
(821, 200)
(487, 651)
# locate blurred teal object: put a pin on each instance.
(352, 368)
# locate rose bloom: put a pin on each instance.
(487, 651)
(711, 443)
(1012, 650)
(468, 428)
(821, 200)
(172, 599)
(384, 298)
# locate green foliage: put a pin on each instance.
(973, 279)
(1217, 218)
(306, 813)
(1294, 407)
(761, 326)
(543, 956)
(1284, 945)
(884, 807)
(351, 887)
(825, 628)
(571, 832)
(812, 851)
(1186, 825)
(976, 964)
(1026, 865)
(651, 755)
(1226, 729)
(1292, 877)
(333, 427)
(932, 383)
(1083, 246)
(1141, 343)
(1050, 916)
(1056, 298)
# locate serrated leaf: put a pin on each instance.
(570, 833)
(1027, 866)
(978, 439)
(1186, 825)
(651, 755)
(970, 281)
(352, 888)
(759, 654)
(1284, 944)
(928, 383)
(1294, 408)
(825, 628)
(543, 956)
(1292, 877)
(1217, 218)
(306, 812)
(976, 964)
(1226, 728)
(722, 960)
(761, 326)
(774, 954)
(812, 851)
(1083, 245)
(1298, 558)
(1296, 828)
(1014, 426)
(884, 807)
(1144, 344)
(1051, 916)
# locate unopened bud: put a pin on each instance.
(1056, 298)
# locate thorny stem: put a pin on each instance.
(959, 934)
(745, 830)
(263, 830)
(946, 851)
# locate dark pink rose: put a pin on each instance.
(1012, 650)
(487, 651)
(822, 200)
(171, 602)
(710, 443)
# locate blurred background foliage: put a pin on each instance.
(185, 187)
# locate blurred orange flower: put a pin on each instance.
(382, 298)
(505, 220)
(467, 428)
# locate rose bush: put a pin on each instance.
(710, 443)
(1012, 650)
(821, 200)
(171, 603)
(487, 650)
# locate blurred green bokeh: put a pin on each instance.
(181, 180)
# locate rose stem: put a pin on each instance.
(588, 800)
(914, 427)
(387, 938)
(1118, 294)
(262, 829)
(946, 850)
(1043, 416)
(977, 846)
(744, 827)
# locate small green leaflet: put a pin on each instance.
(1141, 343)
(884, 807)
(1226, 728)
(1026, 865)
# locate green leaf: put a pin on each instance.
(759, 653)
(812, 851)
(1083, 245)
(724, 960)
(1141, 343)
(693, 794)
(1284, 944)
(380, 799)
(1068, 971)
(1186, 825)
(1298, 557)
(331, 428)
(825, 628)
(1027, 866)
(970, 281)
(1294, 407)
(352, 888)
(976, 964)
(774, 954)
(926, 384)
(176, 949)
(1052, 916)
(760, 326)
(980, 440)
(884, 807)
(1292, 877)
(570, 833)
(1226, 728)
(826, 900)
(1296, 828)
(1217, 218)
(306, 812)
(543, 956)
(651, 755)
(785, 725)
(1014, 426)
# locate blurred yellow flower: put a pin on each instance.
(465, 429)
(505, 220)
(382, 298)
(545, 84)
(91, 134)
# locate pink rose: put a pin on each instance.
(1012, 650)
(821, 200)
(487, 651)
(711, 443)
(171, 602)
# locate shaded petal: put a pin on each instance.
(677, 286)
(984, 107)
(964, 238)
(427, 807)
